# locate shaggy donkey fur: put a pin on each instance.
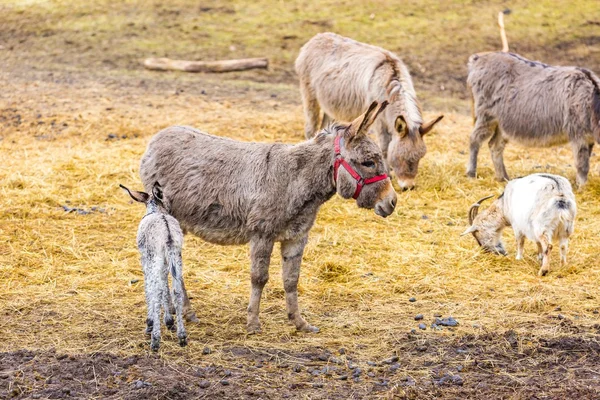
(533, 104)
(343, 76)
(230, 192)
(159, 240)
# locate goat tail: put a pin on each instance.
(502, 32)
(566, 211)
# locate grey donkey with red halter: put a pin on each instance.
(229, 192)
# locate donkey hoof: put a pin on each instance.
(543, 272)
(471, 174)
(309, 329)
(191, 317)
(170, 325)
(254, 329)
(183, 341)
(154, 345)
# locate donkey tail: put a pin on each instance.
(595, 103)
(502, 32)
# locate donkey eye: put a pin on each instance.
(368, 164)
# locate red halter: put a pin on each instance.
(360, 182)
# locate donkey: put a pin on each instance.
(533, 104)
(229, 192)
(343, 77)
(159, 241)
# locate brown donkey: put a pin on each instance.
(229, 192)
(343, 76)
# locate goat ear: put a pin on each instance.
(426, 127)
(361, 125)
(471, 229)
(142, 197)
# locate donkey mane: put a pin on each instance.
(401, 86)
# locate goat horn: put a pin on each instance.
(475, 208)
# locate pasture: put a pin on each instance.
(77, 110)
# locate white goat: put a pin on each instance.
(540, 207)
(159, 241)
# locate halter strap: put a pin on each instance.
(339, 160)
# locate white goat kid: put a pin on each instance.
(159, 241)
(540, 207)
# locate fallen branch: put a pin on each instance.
(165, 64)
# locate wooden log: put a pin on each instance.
(165, 64)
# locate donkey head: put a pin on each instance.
(154, 201)
(487, 227)
(360, 171)
(407, 146)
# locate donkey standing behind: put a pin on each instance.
(539, 207)
(343, 76)
(159, 240)
(533, 104)
(230, 192)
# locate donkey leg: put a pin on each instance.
(188, 312)
(384, 138)
(311, 109)
(326, 121)
(497, 144)
(484, 128)
(291, 254)
(582, 152)
(176, 272)
(167, 304)
(260, 254)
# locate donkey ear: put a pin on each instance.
(361, 125)
(471, 229)
(401, 126)
(142, 197)
(423, 129)
(157, 191)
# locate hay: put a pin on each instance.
(67, 278)
(72, 281)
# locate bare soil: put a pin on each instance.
(76, 112)
(488, 366)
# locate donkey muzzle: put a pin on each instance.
(406, 183)
(386, 203)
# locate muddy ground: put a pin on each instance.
(496, 367)
(76, 112)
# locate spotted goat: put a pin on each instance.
(159, 241)
(539, 207)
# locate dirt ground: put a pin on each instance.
(76, 113)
